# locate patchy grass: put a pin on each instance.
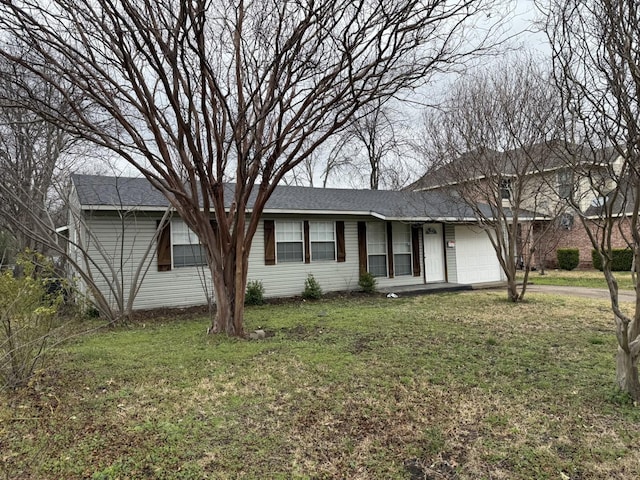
(579, 278)
(454, 386)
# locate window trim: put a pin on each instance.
(383, 226)
(269, 231)
(564, 183)
(302, 240)
(408, 243)
(174, 223)
(335, 241)
(506, 187)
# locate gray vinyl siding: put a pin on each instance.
(287, 279)
(450, 253)
(180, 287)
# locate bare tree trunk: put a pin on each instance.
(229, 285)
(627, 373)
(512, 288)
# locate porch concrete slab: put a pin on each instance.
(440, 287)
(426, 288)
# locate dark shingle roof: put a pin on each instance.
(118, 192)
(536, 158)
(102, 190)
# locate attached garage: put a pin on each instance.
(476, 259)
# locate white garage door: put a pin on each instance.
(475, 257)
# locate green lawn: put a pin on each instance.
(579, 278)
(462, 386)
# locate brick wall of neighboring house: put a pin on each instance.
(576, 237)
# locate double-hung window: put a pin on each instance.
(565, 183)
(505, 189)
(187, 250)
(289, 241)
(377, 249)
(402, 249)
(322, 239)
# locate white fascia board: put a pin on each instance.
(113, 208)
(275, 211)
(432, 219)
(600, 217)
(271, 211)
(370, 214)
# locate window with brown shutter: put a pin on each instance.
(390, 249)
(164, 247)
(307, 244)
(416, 230)
(342, 255)
(269, 242)
(362, 247)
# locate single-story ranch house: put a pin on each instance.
(402, 238)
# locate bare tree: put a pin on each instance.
(196, 93)
(487, 145)
(373, 142)
(596, 53)
(32, 153)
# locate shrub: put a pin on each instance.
(28, 308)
(368, 283)
(312, 289)
(621, 259)
(568, 258)
(255, 293)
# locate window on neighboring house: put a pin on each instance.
(289, 241)
(402, 249)
(565, 184)
(187, 250)
(377, 249)
(505, 189)
(322, 237)
(565, 220)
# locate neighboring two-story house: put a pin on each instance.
(549, 181)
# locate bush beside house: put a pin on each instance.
(568, 258)
(622, 259)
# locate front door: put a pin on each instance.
(434, 253)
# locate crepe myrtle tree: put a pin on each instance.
(486, 145)
(596, 54)
(196, 93)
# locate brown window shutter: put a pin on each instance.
(307, 243)
(390, 248)
(164, 247)
(269, 242)
(341, 254)
(415, 249)
(362, 247)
